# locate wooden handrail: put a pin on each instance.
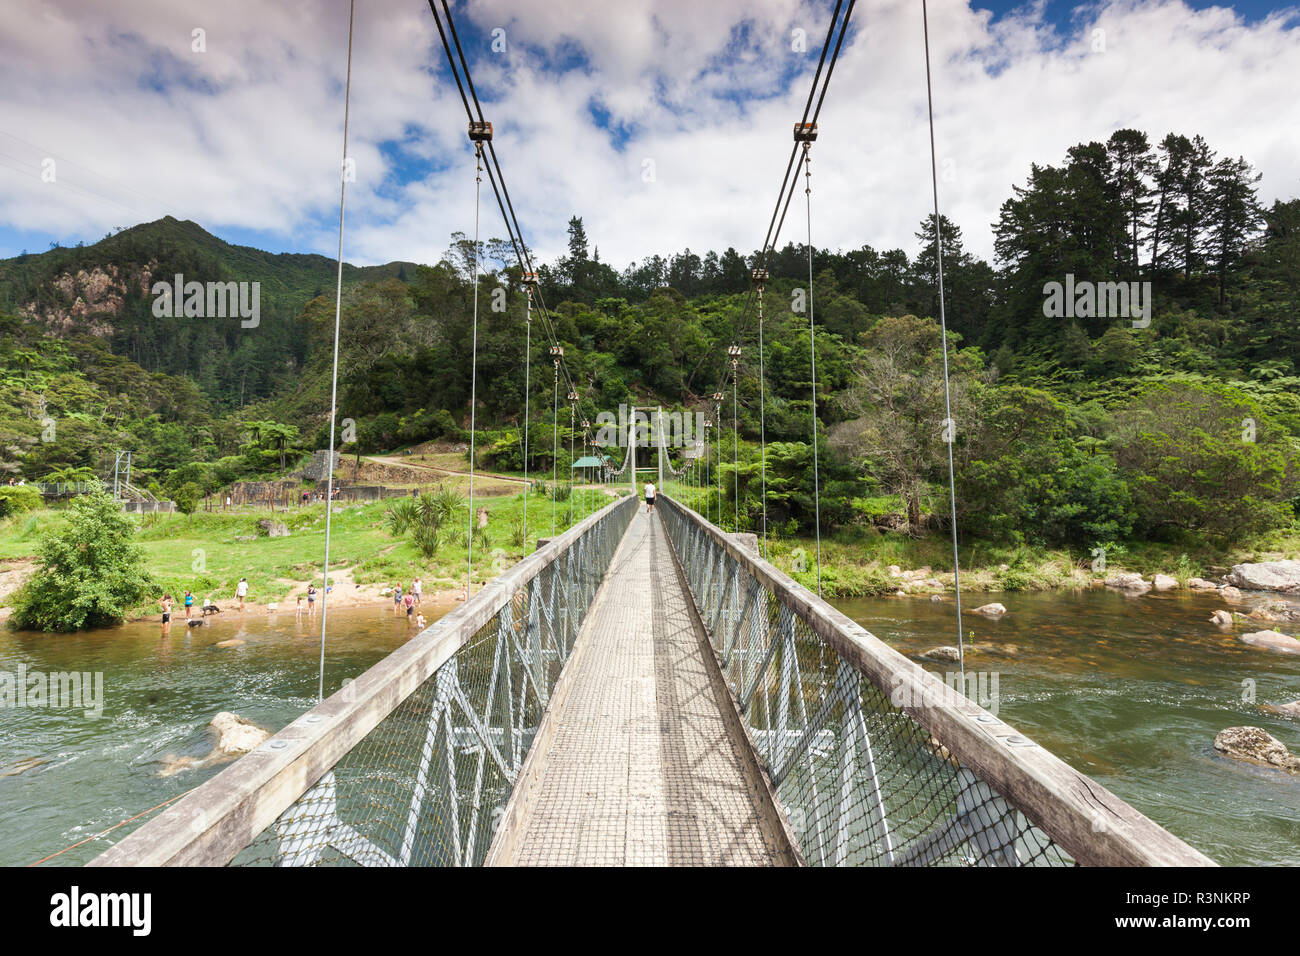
(222, 816)
(1087, 820)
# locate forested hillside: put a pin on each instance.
(105, 290)
(1069, 431)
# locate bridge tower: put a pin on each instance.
(659, 445)
(655, 425)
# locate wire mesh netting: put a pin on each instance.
(428, 785)
(860, 781)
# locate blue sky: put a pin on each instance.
(665, 126)
(1060, 12)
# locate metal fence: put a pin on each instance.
(413, 763)
(873, 760)
(65, 489)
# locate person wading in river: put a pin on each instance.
(166, 603)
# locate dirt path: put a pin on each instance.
(12, 575)
(397, 462)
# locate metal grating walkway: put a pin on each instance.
(639, 765)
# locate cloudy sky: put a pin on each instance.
(245, 135)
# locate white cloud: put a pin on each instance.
(248, 134)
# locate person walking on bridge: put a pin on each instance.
(650, 497)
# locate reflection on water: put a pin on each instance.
(64, 776)
(1132, 691)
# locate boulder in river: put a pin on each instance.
(1221, 618)
(1163, 582)
(1265, 615)
(947, 653)
(1200, 584)
(1272, 641)
(1267, 576)
(21, 766)
(1128, 581)
(235, 735)
(991, 610)
(1286, 710)
(1257, 745)
(995, 650)
(1230, 593)
(273, 529)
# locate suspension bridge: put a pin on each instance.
(645, 688)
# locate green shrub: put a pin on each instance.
(90, 572)
(18, 499)
(428, 518)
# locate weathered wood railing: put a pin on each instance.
(876, 761)
(410, 763)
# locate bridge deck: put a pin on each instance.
(640, 765)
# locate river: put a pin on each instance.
(65, 776)
(1131, 691)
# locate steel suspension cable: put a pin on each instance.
(769, 243)
(718, 469)
(458, 66)
(334, 375)
(555, 442)
(528, 368)
(950, 427)
(473, 371)
(572, 422)
(735, 446)
(769, 238)
(812, 353)
(762, 418)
